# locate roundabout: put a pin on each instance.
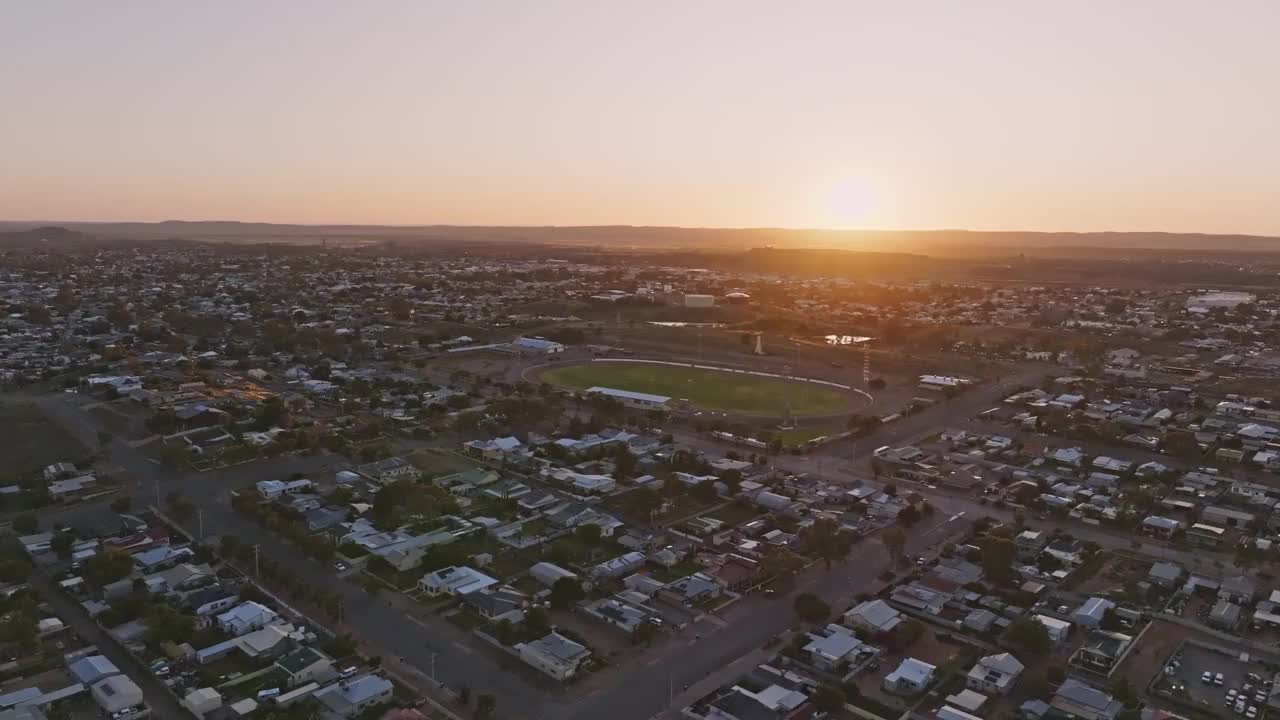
(712, 388)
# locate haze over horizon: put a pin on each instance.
(1140, 116)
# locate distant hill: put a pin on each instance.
(45, 236)
(626, 236)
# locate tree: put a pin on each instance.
(61, 544)
(566, 592)
(1029, 635)
(811, 608)
(829, 699)
(704, 491)
(486, 704)
(780, 563)
(25, 524)
(624, 463)
(908, 515)
(228, 546)
(537, 621)
(827, 541)
(589, 535)
(107, 567)
(998, 554)
(895, 540)
(122, 504)
(1181, 444)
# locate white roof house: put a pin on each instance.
(1057, 629)
(116, 693)
(637, 399)
(455, 580)
(1092, 611)
(910, 677)
(995, 674)
(246, 617)
(349, 698)
(874, 615)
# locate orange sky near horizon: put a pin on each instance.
(1001, 115)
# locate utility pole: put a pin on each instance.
(433, 669)
(157, 493)
(256, 572)
(200, 522)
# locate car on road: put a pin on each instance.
(920, 560)
(1231, 697)
(339, 566)
(1206, 677)
(1217, 679)
(1251, 712)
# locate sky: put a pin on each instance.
(1079, 116)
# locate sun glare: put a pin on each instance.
(850, 202)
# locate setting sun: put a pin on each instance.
(850, 202)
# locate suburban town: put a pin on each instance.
(341, 482)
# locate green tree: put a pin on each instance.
(811, 608)
(589, 535)
(998, 554)
(566, 592)
(1029, 635)
(895, 541)
(107, 567)
(61, 544)
(121, 504)
(486, 704)
(26, 524)
(825, 540)
(829, 699)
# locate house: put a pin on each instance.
(58, 471)
(304, 665)
(1225, 615)
(455, 580)
(116, 693)
(92, 668)
(267, 642)
(692, 589)
(246, 617)
(836, 648)
(1165, 574)
(619, 566)
(1102, 651)
(60, 489)
(385, 472)
(1227, 517)
(505, 603)
(350, 698)
(548, 573)
(1237, 589)
(875, 616)
(1078, 700)
(1058, 629)
(554, 654)
(274, 489)
(1203, 535)
(202, 701)
(1160, 527)
(911, 677)
(1030, 541)
(994, 674)
(161, 557)
(624, 616)
(1091, 612)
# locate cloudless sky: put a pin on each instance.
(1088, 115)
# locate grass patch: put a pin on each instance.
(467, 620)
(684, 568)
(707, 389)
(436, 463)
(735, 514)
(31, 440)
(802, 435)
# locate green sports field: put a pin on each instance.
(706, 389)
